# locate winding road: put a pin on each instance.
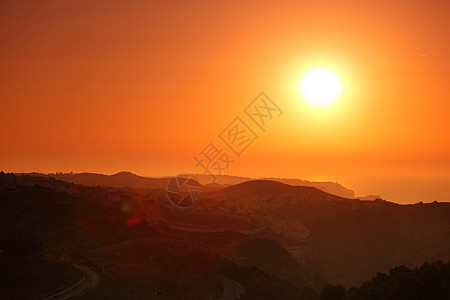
(90, 279)
(231, 289)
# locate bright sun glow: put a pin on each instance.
(320, 87)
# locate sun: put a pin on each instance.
(320, 87)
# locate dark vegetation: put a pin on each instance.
(429, 281)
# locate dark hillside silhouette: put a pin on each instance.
(272, 238)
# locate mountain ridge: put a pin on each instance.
(128, 179)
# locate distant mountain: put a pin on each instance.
(369, 197)
(121, 179)
(127, 179)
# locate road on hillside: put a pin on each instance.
(90, 279)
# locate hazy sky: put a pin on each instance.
(106, 86)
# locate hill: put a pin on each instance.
(127, 179)
(133, 236)
(345, 240)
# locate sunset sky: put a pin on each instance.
(142, 86)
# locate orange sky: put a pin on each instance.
(106, 86)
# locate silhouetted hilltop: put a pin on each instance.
(267, 195)
(127, 179)
(270, 187)
(329, 187)
(257, 187)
